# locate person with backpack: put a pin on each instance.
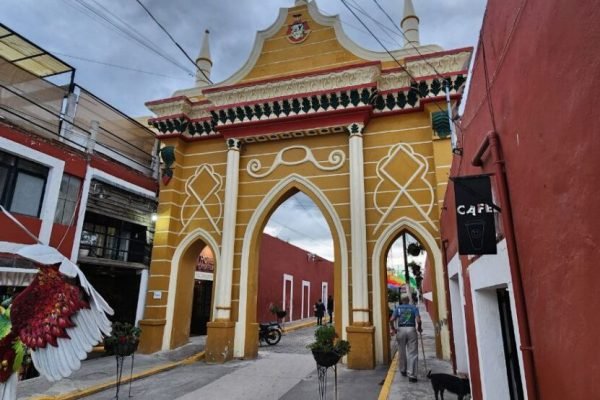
(406, 321)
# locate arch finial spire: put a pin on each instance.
(410, 25)
(204, 62)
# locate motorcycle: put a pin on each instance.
(269, 333)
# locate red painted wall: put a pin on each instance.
(277, 258)
(75, 164)
(543, 61)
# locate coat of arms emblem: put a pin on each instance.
(298, 31)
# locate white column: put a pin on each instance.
(358, 228)
(225, 269)
(141, 304)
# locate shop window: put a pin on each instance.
(22, 184)
(114, 239)
(67, 199)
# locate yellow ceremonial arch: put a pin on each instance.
(346, 126)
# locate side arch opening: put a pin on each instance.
(380, 276)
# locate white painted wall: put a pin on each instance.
(492, 366)
(55, 173)
(457, 304)
(305, 312)
(288, 281)
(487, 274)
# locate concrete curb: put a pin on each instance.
(292, 328)
(389, 379)
(79, 393)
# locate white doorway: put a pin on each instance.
(324, 292)
(288, 296)
(305, 312)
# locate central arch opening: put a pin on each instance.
(247, 327)
(296, 263)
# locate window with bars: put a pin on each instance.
(67, 199)
(22, 184)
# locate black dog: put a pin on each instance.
(451, 383)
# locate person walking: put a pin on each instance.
(319, 311)
(405, 319)
(330, 308)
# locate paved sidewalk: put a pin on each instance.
(100, 371)
(401, 388)
(285, 371)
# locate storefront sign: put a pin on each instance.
(475, 215)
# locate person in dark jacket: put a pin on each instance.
(330, 308)
(319, 311)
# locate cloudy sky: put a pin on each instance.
(95, 36)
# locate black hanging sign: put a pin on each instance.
(475, 215)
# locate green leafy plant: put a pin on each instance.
(414, 249)
(276, 310)
(326, 340)
(124, 338)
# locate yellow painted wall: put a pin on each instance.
(320, 50)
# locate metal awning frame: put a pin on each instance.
(38, 52)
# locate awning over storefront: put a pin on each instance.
(23, 53)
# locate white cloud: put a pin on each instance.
(299, 221)
(67, 27)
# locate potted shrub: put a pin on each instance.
(275, 309)
(124, 339)
(327, 349)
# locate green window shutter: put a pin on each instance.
(441, 123)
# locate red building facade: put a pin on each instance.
(77, 173)
(291, 278)
(529, 121)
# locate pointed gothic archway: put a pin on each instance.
(181, 286)
(246, 331)
(382, 246)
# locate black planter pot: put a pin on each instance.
(281, 314)
(123, 349)
(326, 358)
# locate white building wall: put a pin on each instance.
(488, 273)
(457, 304)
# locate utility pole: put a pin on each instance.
(453, 138)
(406, 278)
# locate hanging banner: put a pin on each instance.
(475, 215)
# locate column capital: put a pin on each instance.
(234, 144)
(356, 129)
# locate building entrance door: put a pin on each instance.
(200, 307)
(513, 370)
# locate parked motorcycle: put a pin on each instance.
(269, 333)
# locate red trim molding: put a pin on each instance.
(298, 122)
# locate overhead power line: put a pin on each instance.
(380, 43)
(116, 65)
(122, 28)
(173, 40)
(415, 48)
(413, 79)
